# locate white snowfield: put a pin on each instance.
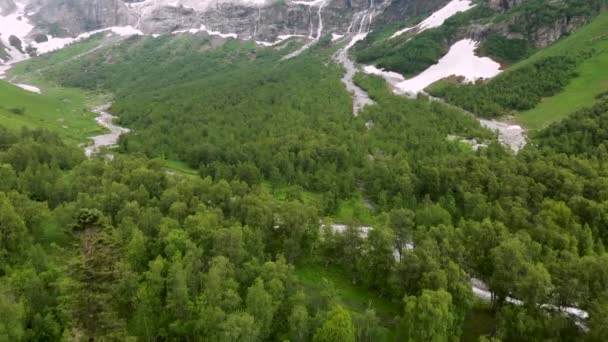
(28, 87)
(309, 3)
(58, 43)
(203, 28)
(15, 24)
(460, 61)
(335, 37)
(438, 18)
(280, 39)
(391, 76)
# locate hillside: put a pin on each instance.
(506, 32)
(61, 111)
(578, 79)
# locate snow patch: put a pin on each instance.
(309, 3)
(459, 61)
(203, 28)
(28, 87)
(280, 39)
(15, 24)
(394, 77)
(335, 36)
(54, 43)
(438, 18)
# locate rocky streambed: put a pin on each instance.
(109, 140)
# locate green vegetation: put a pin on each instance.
(320, 280)
(410, 55)
(520, 89)
(125, 250)
(33, 67)
(585, 87)
(479, 322)
(545, 87)
(504, 50)
(60, 110)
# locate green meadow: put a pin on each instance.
(582, 91)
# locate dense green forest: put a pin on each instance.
(127, 250)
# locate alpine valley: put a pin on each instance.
(304, 170)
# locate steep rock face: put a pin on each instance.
(542, 23)
(547, 35)
(263, 21)
(7, 6)
(165, 19)
(77, 16)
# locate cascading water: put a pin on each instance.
(311, 28)
(363, 20)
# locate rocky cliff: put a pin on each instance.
(269, 21)
(541, 22)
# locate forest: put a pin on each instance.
(129, 250)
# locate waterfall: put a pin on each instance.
(311, 28)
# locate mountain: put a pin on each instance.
(39, 26)
(265, 21)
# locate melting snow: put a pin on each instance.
(438, 18)
(15, 24)
(28, 87)
(460, 61)
(388, 75)
(280, 39)
(309, 3)
(57, 43)
(335, 36)
(203, 28)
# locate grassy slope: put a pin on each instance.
(58, 107)
(60, 110)
(581, 92)
(35, 65)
